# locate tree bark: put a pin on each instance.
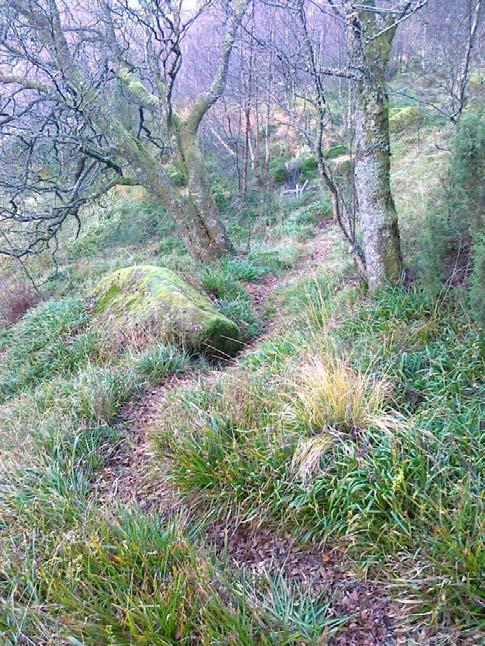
(378, 217)
(199, 200)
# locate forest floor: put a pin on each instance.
(134, 474)
(322, 487)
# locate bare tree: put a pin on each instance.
(459, 84)
(444, 42)
(369, 31)
(289, 45)
(369, 28)
(89, 102)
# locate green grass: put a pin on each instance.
(224, 282)
(220, 282)
(45, 343)
(356, 423)
(406, 474)
(162, 592)
(159, 361)
(245, 269)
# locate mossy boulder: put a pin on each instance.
(407, 118)
(336, 151)
(144, 302)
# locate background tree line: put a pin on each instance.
(107, 93)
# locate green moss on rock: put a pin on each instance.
(336, 151)
(407, 118)
(142, 302)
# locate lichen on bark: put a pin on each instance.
(378, 216)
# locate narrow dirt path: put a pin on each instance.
(131, 473)
(317, 570)
(317, 250)
(135, 474)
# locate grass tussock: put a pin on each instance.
(369, 450)
(327, 392)
(225, 285)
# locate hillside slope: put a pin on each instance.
(322, 487)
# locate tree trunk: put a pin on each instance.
(193, 211)
(202, 215)
(378, 217)
(197, 236)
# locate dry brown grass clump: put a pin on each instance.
(329, 393)
(331, 400)
(16, 297)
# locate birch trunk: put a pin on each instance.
(378, 217)
(213, 241)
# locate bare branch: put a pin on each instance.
(209, 98)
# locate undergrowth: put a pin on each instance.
(357, 424)
(225, 284)
(379, 449)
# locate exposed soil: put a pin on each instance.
(317, 570)
(316, 253)
(131, 474)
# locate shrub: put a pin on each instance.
(336, 151)
(15, 301)
(89, 241)
(454, 218)
(278, 170)
(177, 175)
(128, 221)
(343, 169)
(220, 194)
(308, 167)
